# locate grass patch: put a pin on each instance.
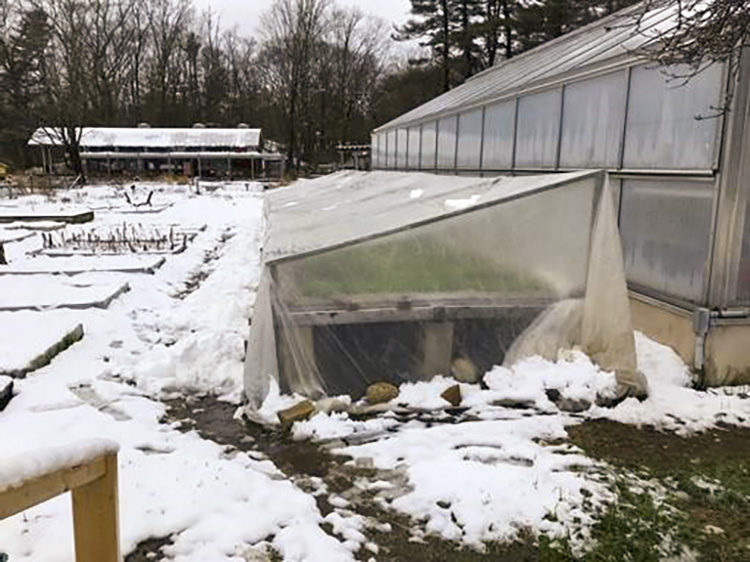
(416, 265)
(706, 507)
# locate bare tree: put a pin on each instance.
(293, 30)
(705, 31)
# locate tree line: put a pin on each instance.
(317, 74)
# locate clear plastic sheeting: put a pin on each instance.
(385, 276)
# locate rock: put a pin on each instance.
(300, 411)
(573, 406)
(6, 391)
(464, 370)
(444, 504)
(452, 395)
(381, 392)
(567, 404)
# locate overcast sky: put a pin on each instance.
(245, 13)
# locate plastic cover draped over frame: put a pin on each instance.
(402, 276)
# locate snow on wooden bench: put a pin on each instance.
(88, 470)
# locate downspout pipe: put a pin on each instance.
(703, 320)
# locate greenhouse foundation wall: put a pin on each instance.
(726, 355)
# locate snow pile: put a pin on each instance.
(672, 404)
(323, 427)
(573, 376)
(484, 481)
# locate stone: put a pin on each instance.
(6, 391)
(299, 412)
(381, 392)
(464, 370)
(452, 395)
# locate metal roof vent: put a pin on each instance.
(243, 126)
(144, 126)
(199, 126)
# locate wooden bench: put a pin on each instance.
(93, 486)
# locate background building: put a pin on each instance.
(197, 151)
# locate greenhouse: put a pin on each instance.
(382, 276)
(677, 152)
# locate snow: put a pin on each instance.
(17, 470)
(155, 137)
(82, 264)
(40, 292)
(26, 335)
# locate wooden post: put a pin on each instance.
(95, 520)
(437, 348)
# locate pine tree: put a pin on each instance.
(432, 25)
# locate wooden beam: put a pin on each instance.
(28, 494)
(435, 313)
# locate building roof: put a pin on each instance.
(613, 40)
(136, 137)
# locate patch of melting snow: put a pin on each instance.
(458, 204)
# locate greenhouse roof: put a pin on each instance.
(104, 137)
(612, 40)
(350, 207)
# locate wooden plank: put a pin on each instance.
(414, 314)
(75, 218)
(30, 493)
(95, 517)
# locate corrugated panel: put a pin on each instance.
(611, 38)
(104, 137)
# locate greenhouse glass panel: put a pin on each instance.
(672, 125)
(391, 162)
(499, 136)
(470, 139)
(429, 145)
(666, 231)
(446, 151)
(375, 151)
(538, 130)
(593, 120)
(415, 137)
(443, 269)
(402, 147)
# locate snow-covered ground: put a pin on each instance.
(181, 330)
(148, 343)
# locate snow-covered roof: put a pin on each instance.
(104, 137)
(350, 207)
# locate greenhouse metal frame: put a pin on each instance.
(677, 152)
